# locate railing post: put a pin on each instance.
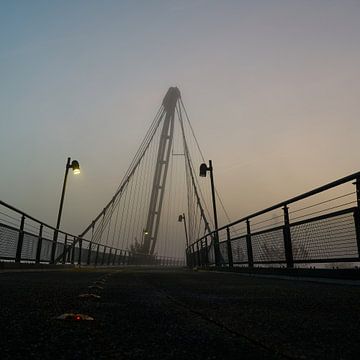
(229, 249)
(193, 255)
(97, 254)
(120, 256)
(54, 245)
(287, 239)
(198, 253)
(65, 248)
(80, 246)
(73, 252)
(206, 252)
(89, 253)
(357, 214)
(68, 254)
(103, 256)
(39, 245)
(109, 257)
(20, 240)
(249, 245)
(114, 258)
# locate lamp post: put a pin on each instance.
(203, 170)
(74, 165)
(181, 218)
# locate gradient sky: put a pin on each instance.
(272, 89)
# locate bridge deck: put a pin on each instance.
(176, 314)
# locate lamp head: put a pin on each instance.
(146, 232)
(203, 170)
(180, 218)
(76, 167)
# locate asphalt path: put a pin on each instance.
(147, 313)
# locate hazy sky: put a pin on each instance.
(272, 89)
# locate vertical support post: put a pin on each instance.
(68, 253)
(357, 184)
(201, 252)
(53, 247)
(39, 245)
(103, 256)
(109, 257)
(120, 257)
(114, 258)
(198, 254)
(73, 252)
(65, 250)
(80, 247)
(20, 240)
(357, 215)
(229, 249)
(190, 256)
(249, 245)
(186, 233)
(89, 253)
(206, 251)
(97, 254)
(287, 239)
(216, 233)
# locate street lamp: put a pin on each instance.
(203, 170)
(181, 218)
(74, 165)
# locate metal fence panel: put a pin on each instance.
(268, 246)
(326, 238)
(29, 246)
(46, 247)
(211, 254)
(8, 242)
(239, 250)
(224, 252)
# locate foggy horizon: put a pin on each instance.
(271, 89)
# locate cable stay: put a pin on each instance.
(160, 183)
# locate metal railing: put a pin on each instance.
(24, 239)
(321, 226)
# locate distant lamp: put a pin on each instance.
(75, 167)
(146, 232)
(203, 170)
(180, 219)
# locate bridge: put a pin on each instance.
(155, 275)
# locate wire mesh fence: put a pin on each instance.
(26, 239)
(321, 226)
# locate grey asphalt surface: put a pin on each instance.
(147, 313)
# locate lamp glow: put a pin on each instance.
(76, 167)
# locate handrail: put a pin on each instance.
(13, 208)
(75, 239)
(315, 191)
(331, 237)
